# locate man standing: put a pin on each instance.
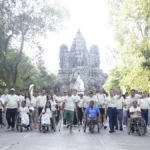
(130, 99)
(12, 103)
(41, 101)
(112, 111)
(70, 105)
(144, 104)
(101, 97)
(3, 98)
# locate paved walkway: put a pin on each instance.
(34, 140)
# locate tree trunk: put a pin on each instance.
(18, 60)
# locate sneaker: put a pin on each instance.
(35, 126)
(110, 131)
(121, 129)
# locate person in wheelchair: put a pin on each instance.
(24, 114)
(92, 113)
(135, 114)
(45, 117)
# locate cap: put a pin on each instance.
(12, 89)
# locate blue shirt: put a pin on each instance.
(92, 112)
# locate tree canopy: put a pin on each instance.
(21, 22)
(130, 19)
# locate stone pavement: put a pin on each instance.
(34, 140)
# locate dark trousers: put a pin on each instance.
(80, 114)
(112, 114)
(102, 112)
(64, 120)
(11, 115)
(0, 116)
(119, 118)
(145, 115)
(75, 118)
(40, 110)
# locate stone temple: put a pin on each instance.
(78, 60)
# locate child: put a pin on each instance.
(46, 114)
(1, 107)
(24, 111)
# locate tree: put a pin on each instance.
(21, 22)
(131, 22)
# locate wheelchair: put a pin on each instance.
(20, 126)
(46, 127)
(91, 124)
(136, 125)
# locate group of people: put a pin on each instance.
(76, 108)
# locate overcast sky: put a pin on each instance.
(91, 17)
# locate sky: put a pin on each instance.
(91, 17)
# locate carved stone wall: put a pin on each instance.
(80, 60)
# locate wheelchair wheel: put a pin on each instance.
(141, 128)
(21, 128)
(84, 127)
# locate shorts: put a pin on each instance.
(69, 115)
(89, 119)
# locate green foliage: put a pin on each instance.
(21, 22)
(131, 22)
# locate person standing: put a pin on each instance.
(80, 109)
(12, 104)
(101, 97)
(35, 111)
(112, 111)
(4, 97)
(77, 99)
(41, 101)
(1, 107)
(70, 104)
(144, 104)
(120, 104)
(62, 99)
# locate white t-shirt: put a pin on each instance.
(41, 100)
(85, 101)
(134, 110)
(80, 103)
(70, 103)
(88, 99)
(33, 101)
(21, 98)
(4, 98)
(48, 112)
(144, 103)
(120, 102)
(130, 99)
(0, 103)
(12, 101)
(28, 102)
(112, 101)
(23, 110)
(101, 100)
(53, 104)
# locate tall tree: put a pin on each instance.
(22, 21)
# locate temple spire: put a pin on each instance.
(79, 43)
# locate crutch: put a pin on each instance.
(78, 121)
